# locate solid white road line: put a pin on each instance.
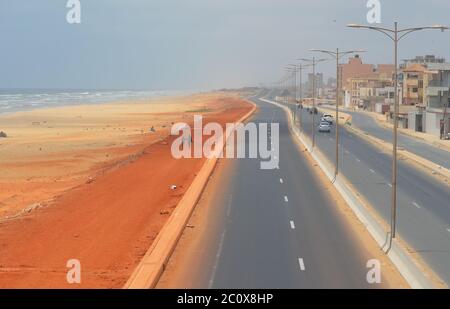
(292, 225)
(301, 264)
(417, 205)
(286, 199)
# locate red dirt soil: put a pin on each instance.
(107, 224)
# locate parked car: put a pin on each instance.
(324, 127)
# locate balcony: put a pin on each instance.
(436, 91)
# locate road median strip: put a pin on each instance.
(415, 272)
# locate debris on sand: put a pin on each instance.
(152, 129)
(3, 134)
(173, 187)
(31, 208)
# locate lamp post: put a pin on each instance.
(300, 84)
(313, 62)
(293, 69)
(296, 68)
(337, 54)
(395, 35)
(290, 76)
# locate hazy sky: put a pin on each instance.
(194, 44)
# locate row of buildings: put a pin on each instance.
(423, 82)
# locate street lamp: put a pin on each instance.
(292, 68)
(396, 35)
(313, 62)
(337, 54)
(299, 68)
(289, 76)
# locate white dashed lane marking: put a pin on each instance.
(301, 264)
(281, 180)
(286, 199)
(372, 171)
(292, 225)
(417, 205)
(216, 263)
(229, 205)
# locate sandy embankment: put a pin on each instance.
(106, 179)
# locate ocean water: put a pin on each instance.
(13, 100)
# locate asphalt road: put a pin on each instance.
(425, 150)
(277, 228)
(423, 201)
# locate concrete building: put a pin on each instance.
(414, 83)
(360, 81)
(422, 60)
(437, 110)
(365, 91)
(354, 68)
(319, 84)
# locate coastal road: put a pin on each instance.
(425, 150)
(423, 201)
(273, 228)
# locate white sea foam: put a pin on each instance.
(19, 100)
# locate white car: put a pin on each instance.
(327, 118)
(325, 126)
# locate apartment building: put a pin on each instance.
(360, 81)
(365, 91)
(437, 118)
(415, 82)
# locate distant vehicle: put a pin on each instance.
(324, 127)
(327, 118)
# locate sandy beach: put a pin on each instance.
(92, 182)
(51, 150)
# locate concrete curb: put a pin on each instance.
(407, 132)
(424, 163)
(146, 275)
(411, 270)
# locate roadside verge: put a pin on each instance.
(415, 272)
(149, 270)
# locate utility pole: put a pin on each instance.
(395, 35)
(313, 62)
(337, 54)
